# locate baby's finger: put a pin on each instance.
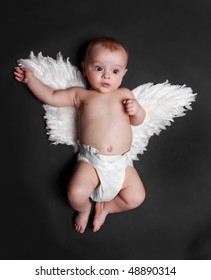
(130, 112)
(129, 107)
(19, 75)
(17, 69)
(18, 72)
(18, 78)
(21, 66)
(128, 101)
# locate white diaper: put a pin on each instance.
(110, 169)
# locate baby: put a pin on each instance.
(104, 170)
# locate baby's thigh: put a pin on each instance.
(133, 187)
(84, 179)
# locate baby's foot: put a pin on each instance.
(81, 221)
(100, 215)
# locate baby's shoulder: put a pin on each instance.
(81, 92)
(126, 92)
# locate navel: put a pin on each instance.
(109, 149)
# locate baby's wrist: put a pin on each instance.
(30, 80)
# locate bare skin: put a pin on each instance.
(100, 215)
(106, 113)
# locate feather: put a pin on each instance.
(162, 103)
(61, 122)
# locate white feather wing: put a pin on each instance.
(61, 122)
(162, 103)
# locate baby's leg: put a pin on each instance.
(81, 186)
(131, 196)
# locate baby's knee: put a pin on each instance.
(137, 199)
(76, 194)
(142, 197)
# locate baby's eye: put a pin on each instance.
(116, 71)
(98, 68)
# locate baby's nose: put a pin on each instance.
(106, 75)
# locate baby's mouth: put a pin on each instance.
(106, 85)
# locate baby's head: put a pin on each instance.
(105, 63)
(107, 43)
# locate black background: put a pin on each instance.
(166, 40)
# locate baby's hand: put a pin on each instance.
(132, 106)
(23, 74)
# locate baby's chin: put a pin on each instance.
(104, 89)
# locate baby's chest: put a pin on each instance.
(103, 106)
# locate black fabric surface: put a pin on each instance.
(166, 40)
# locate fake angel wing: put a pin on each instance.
(61, 122)
(161, 102)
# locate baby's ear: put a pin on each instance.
(83, 66)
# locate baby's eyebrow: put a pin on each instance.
(114, 66)
(96, 62)
(120, 66)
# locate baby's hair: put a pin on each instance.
(107, 42)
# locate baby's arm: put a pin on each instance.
(134, 110)
(43, 92)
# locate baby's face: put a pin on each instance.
(105, 69)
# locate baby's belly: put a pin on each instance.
(113, 140)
